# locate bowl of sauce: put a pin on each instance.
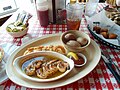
(78, 58)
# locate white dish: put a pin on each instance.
(8, 49)
(77, 34)
(84, 58)
(18, 62)
(18, 34)
(3, 76)
(54, 39)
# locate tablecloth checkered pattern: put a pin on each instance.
(100, 78)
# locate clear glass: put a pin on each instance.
(91, 6)
(74, 16)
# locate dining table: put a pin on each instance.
(100, 78)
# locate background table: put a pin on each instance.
(100, 78)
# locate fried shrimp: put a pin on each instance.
(58, 48)
(62, 66)
(40, 73)
(30, 70)
(37, 64)
(46, 68)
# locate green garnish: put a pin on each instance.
(16, 27)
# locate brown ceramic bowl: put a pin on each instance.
(77, 34)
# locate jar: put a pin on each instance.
(42, 12)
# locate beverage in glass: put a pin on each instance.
(74, 16)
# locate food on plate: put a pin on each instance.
(70, 36)
(97, 29)
(76, 45)
(79, 61)
(30, 70)
(71, 40)
(20, 26)
(57, 48)
(1, 54)
(112, 36)
(116, 19)
(73, 43)
(82, 41)
(72, 54)
(113, 14)
(78, 58)
(16, 28)
(105, 32)
(21, 22)
(45, 67)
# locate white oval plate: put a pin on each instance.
(8, 49)
(17, 63)
(54, 39)
(3, 76)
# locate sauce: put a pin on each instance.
(80, 61)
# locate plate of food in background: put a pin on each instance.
(104, 29)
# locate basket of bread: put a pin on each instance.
(105, 29)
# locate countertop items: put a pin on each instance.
(94, 75)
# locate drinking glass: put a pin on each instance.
(74, 15)
(90, 8)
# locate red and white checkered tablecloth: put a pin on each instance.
(100, 78)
